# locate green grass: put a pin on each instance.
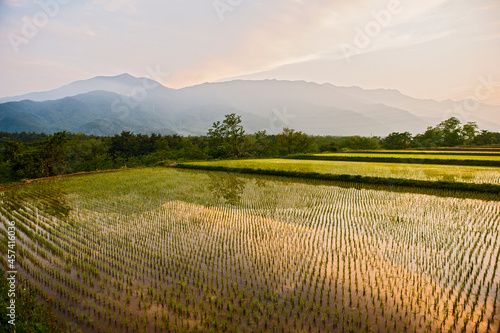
(472, 151)
(406, 157)
(409, 156)
(448, 173)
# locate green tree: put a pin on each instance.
(192, 150)
(124, 145)
(357, 142)
(41, 159)
(432, 137)
(487, 138)
(292, 142)
(23, 161)
(52, 154)
(452, 132)
(262, 145)
(397, 140)
(87, 154)
(227, 138)
(469, 132)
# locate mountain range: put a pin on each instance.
(106, 105)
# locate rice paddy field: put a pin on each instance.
(409, 156)
(453, 173)
(168, 250)
(469, 151)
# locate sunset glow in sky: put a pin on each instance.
(436, 49)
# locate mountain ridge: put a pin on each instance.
(122, 84)
(106, 105)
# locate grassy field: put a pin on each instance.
(490, 157)
(467, 174)
(475, 151)
(157, 250)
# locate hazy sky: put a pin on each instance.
(425, 48)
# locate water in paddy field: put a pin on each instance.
(162, 249)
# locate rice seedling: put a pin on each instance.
(163, 250)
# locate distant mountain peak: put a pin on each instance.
(122, 75)
(122, 84)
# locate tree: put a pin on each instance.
(192, 150)
(358, 142)
(397, 140)
(292, 142)
(487, 138)
(452, 132)
(52, 154)
(469, 132)
(87, 154)
(262, 144)
(23, 161)
(124, 145)
(432, 137)
(330, 147)
(227, 138)
(41, 159)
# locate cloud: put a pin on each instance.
(89, 32)
(267, 35)
(188, 39)
(15, 3)
(115, 5)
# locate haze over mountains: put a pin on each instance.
(109, 105)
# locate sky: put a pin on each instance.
(436, 49)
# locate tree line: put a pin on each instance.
(448, 133)
(31, 155)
